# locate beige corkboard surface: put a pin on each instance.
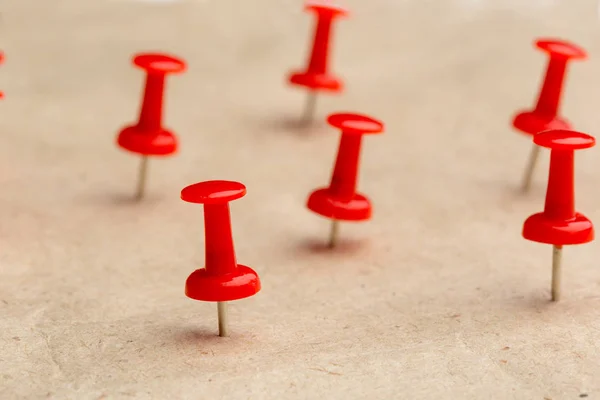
(437, 297)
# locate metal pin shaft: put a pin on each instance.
(530, 167)
(223, 318)
(556, 269)
(309, 107)
(141, 182)
(333, 233)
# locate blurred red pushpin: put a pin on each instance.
(1, 62)
(545, 115)
(222, 279)
(340, 201)
(148, 137)
(559, 224)
(316, 77)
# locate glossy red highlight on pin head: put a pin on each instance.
(564, 140)
(560, 224)
(203, 286)
(325, 7)
(340, 201)
(561, 48)
(351, 123)
(155, 63)
(213, 192)
(545, 115)
(316, 75)
(148, 137)
(222, 278)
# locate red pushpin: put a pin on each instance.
(148, 137)
(1, 62)
(222, 279)
(545, 115)
(559, 224)
(340, 201)
(316, 77)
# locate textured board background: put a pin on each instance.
(437, 297)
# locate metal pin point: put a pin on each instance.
(141, 182)
(223, 318)
(333, 233)
(309, 108)
(531, 163)
(556, 269)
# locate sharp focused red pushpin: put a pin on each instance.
(148, 137)
(340, 201)
(316, 76)
(222, 279)
(545, 115)
(559, 224)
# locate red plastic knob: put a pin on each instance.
(316, 76)
(560, 49)
(1, 62)
(340, 201)
(545, 115)
(222, 278)
(148, 136)
(559, 224)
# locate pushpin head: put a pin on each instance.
(159, 63)
(561, 48)
(327, 204)
(203, 286)
(559, 224)
(161, 142)
(578, 230)
(326, 7)
(317, 81)
(531, 122)
(564, 140)
(222, 279)
(213, 192)
(352, 123)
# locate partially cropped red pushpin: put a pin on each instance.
(545, 115)
(340, 201)
(1, 62)
(222, 279)
(317, 77)
(148, 137)
(560, 224)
